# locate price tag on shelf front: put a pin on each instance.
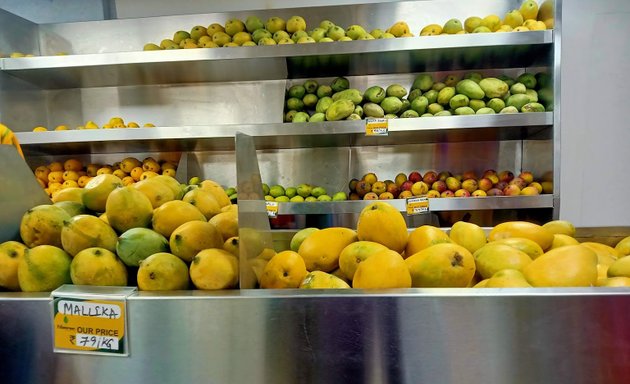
(417, 205)
(90, 320)
(376, 127)
(272, 208)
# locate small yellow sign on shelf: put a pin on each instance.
(376, 127)
(417, 205)
(90, 320)
(272, 208)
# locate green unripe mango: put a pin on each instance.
(374, 94)
(434, 108)
(533, 95)
(391, 105)
(527, 79)
(507, 79)
(509, 109)
(426, 115)
(391, 116)
(409, 113)
(518, 88)
(470, 88)
(420, 104)
(432, 95)
(323, 104)
(474, 76)
(297, 91)
(533, 107)
(476, 104)
(300, 117)
(358, 110)
(496, 104)
(458, 101)
(353, 116)
(423, 82)
(464, 111)
(324, 90)
(445, 95)
(414, 94)
(317, 117)
(310, 100)
(373, 110)
(396, 90)
(517, 101)
(351, 94)
(288, 117)
(494, 87)
(443, 113)
(339, 110)
(340, 84)
(438, 86)
(480, 111)
(295, 104)
(405, 106)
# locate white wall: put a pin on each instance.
(595, 116)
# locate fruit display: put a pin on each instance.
(170, 235)
(383, 253)
(114, 122)
(470, 94)
(60, 179)
(277, 31)
(529, 17)
(300, 193)
(446, 184)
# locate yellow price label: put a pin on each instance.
(272, 208)
(417, 205)
(376, 127)
(89, 325)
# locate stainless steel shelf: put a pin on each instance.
(281, 135)
(435, 205)
(402, 55)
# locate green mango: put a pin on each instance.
(396, 90)
(324, 90)
(470, 88)
(353, 116)
(358, 110)
(323, 104)
(426, 115)
(480, 111)
(517, 101)
(431, 95)
(300, 117)
(288, 117)
(545, 97)
(443, 113)
(297, 91)
(509, 109)
(494, 87)
(310, 100)
(518, 88)
(405, 106)
(458, 101)
(507, 79)
(351, 94)
(438, 86)
(391, 105)
(409, 113)
(474, 76)
(445, 95)
(340, 84)
(339, 110)
(533, 95)
(464, 111)
(496, 104)
(527, 79)
(317, 117)
(533, 107)
(434, 108)
(391, 116)
(373, 110)
(374, 94)
(414, 94)
(476, 104)
(420, 104)
(423, 82)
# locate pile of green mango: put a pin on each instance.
(453, 95)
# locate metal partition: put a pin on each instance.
(446, 336)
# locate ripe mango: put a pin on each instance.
(570, 266)
(98, 266)
(382, 223)
(424, 237)
(354, 254)
(44, 268)
(468, 235)
(525, 229)
(321, 249)
(384, 269)
(87, 231)
(162, 271)
(10, 254)
(322, 280)
(507, 278)
(441, 265)
(192, 237)
(42, 224)
(128, 208)
(493, 258)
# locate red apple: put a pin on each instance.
(495, 192)
(430, 177)
(355, 196)
(406, 186)
(415, 176)
(470, 185)
(453, 184)
(462, 193)
(527, 176)
(512, 190)
(447, 193)
(485, 184)
(506, 176)
(439, 186)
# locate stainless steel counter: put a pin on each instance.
(411, 336)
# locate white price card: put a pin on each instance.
(272, 208)
(417, 205)
(376, 127)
